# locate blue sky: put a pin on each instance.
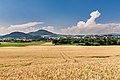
(57, 13)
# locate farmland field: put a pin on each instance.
(60, 63)
(20, 44)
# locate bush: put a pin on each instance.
(82, 44)
(55, 42)
(96, 44)
(87, 44)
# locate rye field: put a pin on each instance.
(45, 62)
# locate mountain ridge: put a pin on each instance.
(28, 35)
(16, 35)
(41, 32)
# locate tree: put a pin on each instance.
(118, 42)
(55, 42)
(101, 42)
(114, 41)
(87, 43)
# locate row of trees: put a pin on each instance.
(88, 41)
(36, 38)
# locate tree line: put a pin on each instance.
(88, 41)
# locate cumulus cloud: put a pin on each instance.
(88, 27)
(91, 27)
(91, 21)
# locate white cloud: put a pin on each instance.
(91, 21)
(22, 27)
(3, 30)
(90, 26)
(27, 27)
(49, 28)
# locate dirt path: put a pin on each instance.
(66, 57)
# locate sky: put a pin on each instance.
(60, 16)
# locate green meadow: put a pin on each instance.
(20, 44)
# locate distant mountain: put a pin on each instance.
(28, 35)
(41, 32)
(112, 34)
(16, 35)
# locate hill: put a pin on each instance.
(41, 32)
(17, 35)
(28, 35)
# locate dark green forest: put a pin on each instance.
(88, 41)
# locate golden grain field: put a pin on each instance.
(60, 63)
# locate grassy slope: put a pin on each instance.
(19, 44)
